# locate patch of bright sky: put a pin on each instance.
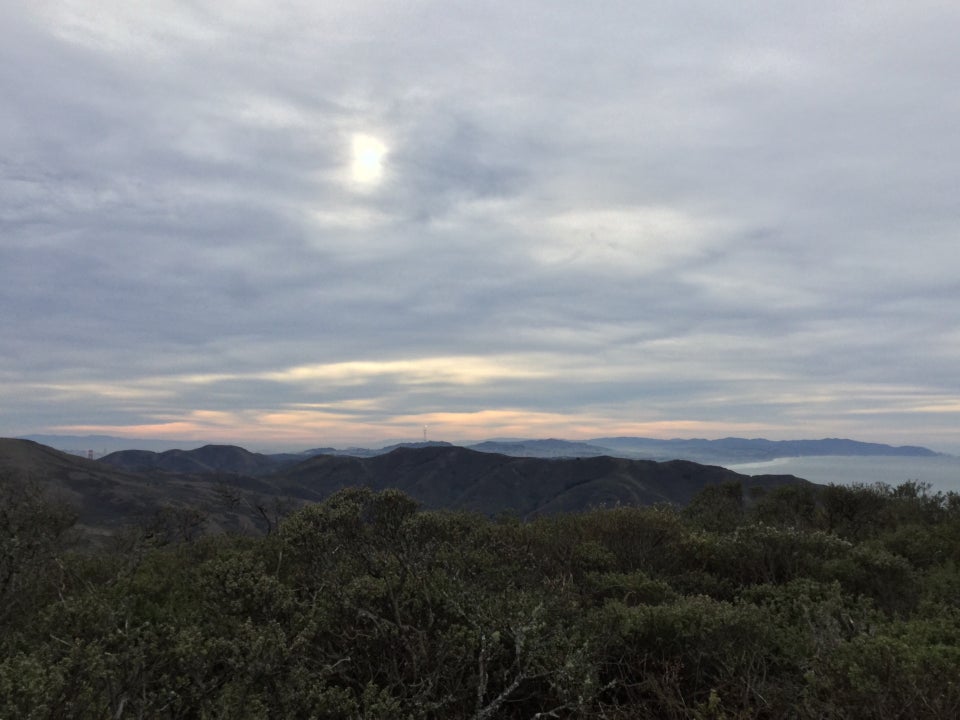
(367, 157)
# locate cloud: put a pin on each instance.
(699, 219)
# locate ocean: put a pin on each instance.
(941, 471)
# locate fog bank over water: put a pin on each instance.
(942, 471)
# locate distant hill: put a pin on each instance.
(464, 479)
(725, 451)
(550, 448)
(373, 452)
(107, 497)
(207, 459)
(737, 450)
(110, 494)
(103, 444)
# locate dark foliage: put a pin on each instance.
(777, 605)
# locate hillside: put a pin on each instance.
(725, 451)
(207, 459)
(463, 479)
(106, 498)
(806, 604)
(235, 490)
(738, 450)
(549, 448)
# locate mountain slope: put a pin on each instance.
(107, 498)
(206, 459)
(735, 450)
(438, 476)
(460, 478)
(549, 448)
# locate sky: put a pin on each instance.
(301, 224)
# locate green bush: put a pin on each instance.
(364, 606)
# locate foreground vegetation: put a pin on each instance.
(839, 603)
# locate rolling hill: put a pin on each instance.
(106, 498)
(237, 491)
(465, 479)
(206, 459)
(739, 450)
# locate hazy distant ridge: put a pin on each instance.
(734, 449)
(231, 484)
(728, 450)
(207, 459)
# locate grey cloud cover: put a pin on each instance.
(670, 219)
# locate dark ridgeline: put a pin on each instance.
(462, 479)
(126, 486)
(207, 459)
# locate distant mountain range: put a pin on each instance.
(203, 460)
(238, 490)
(733, 449)
(103, 444)
(489, 483)
(718, 452)
(725, 451)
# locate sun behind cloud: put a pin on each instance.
(367, 159)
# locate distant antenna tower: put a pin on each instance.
(424, 433)
(89, 454)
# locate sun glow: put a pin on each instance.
(368, 154)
